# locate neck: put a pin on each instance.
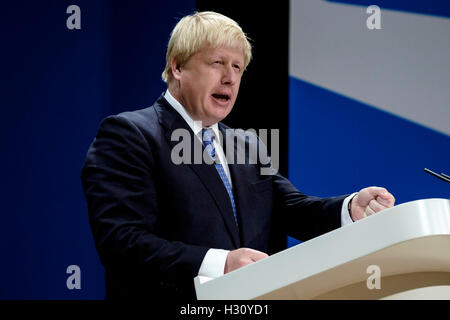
(176, 94)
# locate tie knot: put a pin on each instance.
(207, 136)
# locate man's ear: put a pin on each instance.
(176, 69)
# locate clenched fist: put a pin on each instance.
(369, 201)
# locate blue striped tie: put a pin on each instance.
(208, 137)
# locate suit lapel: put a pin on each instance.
(208, 175)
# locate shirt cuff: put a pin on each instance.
(213, 265)
(345, 215)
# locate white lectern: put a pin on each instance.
(408, 246)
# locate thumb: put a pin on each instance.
(379, 192)
(256, 255)
(387, 202)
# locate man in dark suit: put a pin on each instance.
(157, 221)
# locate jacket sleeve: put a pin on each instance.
(305, 217)
(118, 181)
(301, 216)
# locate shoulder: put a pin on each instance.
(143, 121)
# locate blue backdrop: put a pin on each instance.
(369, 107)
(56, 86)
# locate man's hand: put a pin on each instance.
(241, 257)
(369, 201)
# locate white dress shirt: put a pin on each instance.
(213, 264)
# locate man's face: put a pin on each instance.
(209, 83)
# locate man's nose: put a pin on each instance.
(229, 75)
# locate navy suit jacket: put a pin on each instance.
(153, 221)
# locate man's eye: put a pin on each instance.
(238, 67)
(218, 62)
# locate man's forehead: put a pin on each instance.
(234, 52)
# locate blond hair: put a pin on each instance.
(200, 30)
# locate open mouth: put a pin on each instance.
(221, 97)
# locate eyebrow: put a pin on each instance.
(224, 57)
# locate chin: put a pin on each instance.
(220, 117)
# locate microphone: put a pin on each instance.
(442, 176)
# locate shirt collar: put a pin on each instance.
(194, 125)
